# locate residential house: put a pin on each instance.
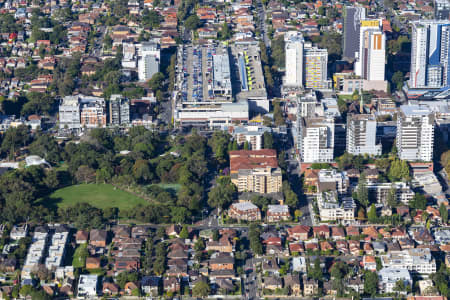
(293, 283)
(98, 238)
(18, 232)
(272, 283)
(337, 233)
(110, 289)
(277, 213)
(221, 261)
(150, 285)
(126, 264)
(342, 247)
(173, 230)
(222, 245)
(310, 287)
(93, 263)
(356, 284)
(270, 265)
(245, 211)
(130, 287)
(171, 284)
(354, 247)
(423, 236)
(299, 232)
(352, 231)
(369, 263)
(296, 248)
(299, 264)
(82, 237)
(322, 231)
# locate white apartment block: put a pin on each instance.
(371, 58)
(57, 250)
(361, 135)
(315, 68)
(388, 277)
(294, 43)
(334, 180)
(79, 111)
(331, 208)
(129, 58)
(415, 133)
(403, 192)
(35, 254)
(316, 139)
(430, 57)
(87, 286)
(417, 260)
(253, 134)
(149, 60)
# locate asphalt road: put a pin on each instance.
(262, 24)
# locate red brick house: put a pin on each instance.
(322, 231)
(300, 232)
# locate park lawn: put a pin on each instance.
(79, 257)
(170, 186)
(98, 195)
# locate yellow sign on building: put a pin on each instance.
(370, 23)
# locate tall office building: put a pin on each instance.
(415, 133)
(119, 110)
(442, 9)
(315, 68)
(316, 139)
(294, 44)
(149, 59)
(352, 22)
(430, 60)
(361, 135)
(370, 59)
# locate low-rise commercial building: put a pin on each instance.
(416, 260)
(388, 278)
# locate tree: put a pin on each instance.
(184, 233)
(339, 270)
(419, 201)
(399, 170)
(141, 171)
(156, 82)
(199, 245)
(392, 197)
(372, 214)
(85, 174)
(397, 79)
(246, 145)
(225, 33)
(370, 283)
(192, 22)
(278, 114)
(255, 239)
(222, 194)
(289, 195)
(107, 42)
(268, 76)
(316, 271)
(400, 286)
(444, 213)
(201, 289)
(362, 191)
(268, 140)
(179, 214)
